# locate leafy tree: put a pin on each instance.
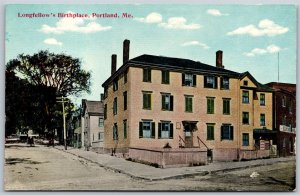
(32, 84)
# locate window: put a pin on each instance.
(188, 103)
(146, 75)
(115, 85)
(226, 132)
(165, 130)
(262, 99)
(165, 77)
(167, 102)
(226, 106)
(245, 83)
(283, 101)
(147, 129)
(245, 98)
(245, 139)
(210, 105)
(125, 128)
(245, 118)
(115, 132)
(210, 131)
(224, 83)
(101, 122)
(125, 100)
(147, 100)
(101, 136)
(291, 106)
(105, 111)
(284, 120)
(189, 79)
(115, 106)
(262, 120)
(211, 82)
(105, 92)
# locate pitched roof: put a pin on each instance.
(258, 84)
(93, 107)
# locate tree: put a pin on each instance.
(41, 77)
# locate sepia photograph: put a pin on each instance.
(150, 97)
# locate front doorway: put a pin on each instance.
(189, 128)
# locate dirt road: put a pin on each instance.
(43, 168)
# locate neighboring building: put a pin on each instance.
(152, 102)
(92, 125)
(284, 111)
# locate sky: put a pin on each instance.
(254, 38)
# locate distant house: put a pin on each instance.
(92, 124)
(284, 111)
(155, 102)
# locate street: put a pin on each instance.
(47, 168)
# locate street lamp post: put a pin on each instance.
(62, 100)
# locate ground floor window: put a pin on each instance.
(115, 132)
(210, 132)
(147, 129)
(226, 132)
(165, 130)
(101, 136)
(245, 139)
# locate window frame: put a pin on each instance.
(225, 85)
(245, 97)
(210, 82)
(244, 118)
(210, 131)
(229, 135)
(125, 99)
(226, 106)
(245, 139)
(115, 132)
(115, 106)
(169, 106)
(147, 75)
(125, 130)
(115, 84)
(151, 129)
(210, 105)
(147, 100)
(262, 99)
(169, 130)
(101, 121)
(165, 77)
(262, 120)
(188, 103)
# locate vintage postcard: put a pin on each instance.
(156, 97)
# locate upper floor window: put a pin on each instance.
(105, 92)
(101, 122)
(291, 106)
(125, 100)
(245, 118)
(165, 77)
(115, 106)
(226, 132)
(245, 98)
(283, 101)
(125, 76)
(147, 100)
(147, 129)
(210, 105)
(262, 99)
(189, 79)
(284, 120)
(224, 83)
(165, 130)
(115, 132)
(167, 102)
(211, 82)
(210, 131)
(262, 120)
(245, 139)
(188, 103)
(226, 106)
(245, 83)
(115, 85)
(146, 75)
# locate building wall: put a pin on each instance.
(254, 109)
(94, 131)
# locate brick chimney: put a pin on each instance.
(219, 61)
(126, 51)
(113, 63)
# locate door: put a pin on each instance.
(188, 136)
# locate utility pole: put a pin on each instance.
(62, 100)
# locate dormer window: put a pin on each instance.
(245, 83)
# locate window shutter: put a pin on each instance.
(194, 80)
(183, 79)
(159, 130)
(150, 101)
(205, 81)
(212, 106)
(221, 83)
(216, 82)
(167, 77)
(222, 132)
(144, 75)
(149, 75)
(231, 132)
(171, 102)
(171, 130)
(153, 130)
(163, 102)
(141, 130)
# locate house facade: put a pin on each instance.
(92, 125)
(284, 111)
(155, 102)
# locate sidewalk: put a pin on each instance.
(141, 171)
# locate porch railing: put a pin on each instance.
(180, 144)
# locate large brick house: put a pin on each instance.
(153, 102)
(284, 112)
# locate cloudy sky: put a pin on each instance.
(249, 36)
